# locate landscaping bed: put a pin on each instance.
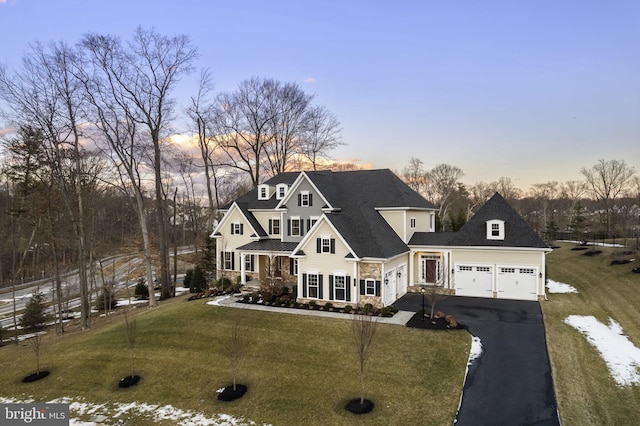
(440, 321)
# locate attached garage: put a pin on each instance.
(517, 283)
(474, 280)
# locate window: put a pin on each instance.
(227, 258)
(339, 287)
(281, 191)
(293, 266)
(495, 229)
(527, 271)
(312, 286)
(325, 245)
(412, 222)
(295, 227)
(312, 221)
(508, 270)
(370, 287)
(248, 262)
(274, 226)
(483, 268)
(305, 199)
(465, 268)
(236, 228)
(263, 192)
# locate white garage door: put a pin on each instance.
(517, 283)
(474, 281)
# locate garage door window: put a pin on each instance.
(508, 270)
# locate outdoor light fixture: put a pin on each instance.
(386, 281)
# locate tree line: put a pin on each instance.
(93, 154)
(605, 203)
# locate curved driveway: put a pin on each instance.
(510, 384)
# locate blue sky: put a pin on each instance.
(531, 90)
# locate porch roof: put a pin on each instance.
(271, 245)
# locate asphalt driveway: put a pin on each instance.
(510, 384)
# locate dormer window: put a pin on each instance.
(263, 192)
(495, 230)
(281, 190)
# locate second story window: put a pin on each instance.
(236, 229)
(305, 199)
(412, 222)
(274, 226)
(295, 227)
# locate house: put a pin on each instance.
(357, 237)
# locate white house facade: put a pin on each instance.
(358, 237)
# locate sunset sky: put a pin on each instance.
(531, 90)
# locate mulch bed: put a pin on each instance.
(230, 394)
(127, 381)
(592, 253)
(418, 321)
(579, 248)
(35, 376)
(620, 262)
(356, 407)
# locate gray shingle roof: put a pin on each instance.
(268, 246)
(517, 232)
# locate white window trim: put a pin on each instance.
(412, 223)
(327, 240)
(224, 260)
(304, 194)
(344, 282)
(317, 285)
(247, 262)
(500, 224)
(236, 228)
(281, 191)
(366, 287)
(275, 220)
(299, 226)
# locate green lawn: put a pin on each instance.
(586, 392)
(300, 370)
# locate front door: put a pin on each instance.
(429, 270)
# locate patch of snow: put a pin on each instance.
(619, 353)
(120, 411)
(181, 290)
(474, 353)
(592, 243)
(558, 287)
(127, 302)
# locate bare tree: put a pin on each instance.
(130, 327)
(506, 188)
(321, 134)
(478, 194)
(416, 176)
(544, 194)
(443, 182)
(607, 180)
(363, 329)
(144, 74)
(46, 94)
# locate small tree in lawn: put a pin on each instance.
(34, 319)
(234, 349)
(131, 334)
(363, 328)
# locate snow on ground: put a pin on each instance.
(127, 302)
(592, 243)
(474, 353)
(558, 287)
(619, 353)
(113, 413)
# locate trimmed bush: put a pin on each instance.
(223, 283)
(312, 304)
(328, 306)
(348, 309)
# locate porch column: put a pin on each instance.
(411, 273)
(243, 270)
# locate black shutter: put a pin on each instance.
(304, 285)
(330, 287)
(308, 224)
(252, 263)
(270, 226)
(289, 227)
(301, 225)
(222, 259)
(310, 199)
(320, 286)
(299, 199)
(348, 288)
(318, 245)
(232, 229)
(291, 261)
(241, 228)
(362, 287)
(233, 263)
(333, 245)
(377, 288)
